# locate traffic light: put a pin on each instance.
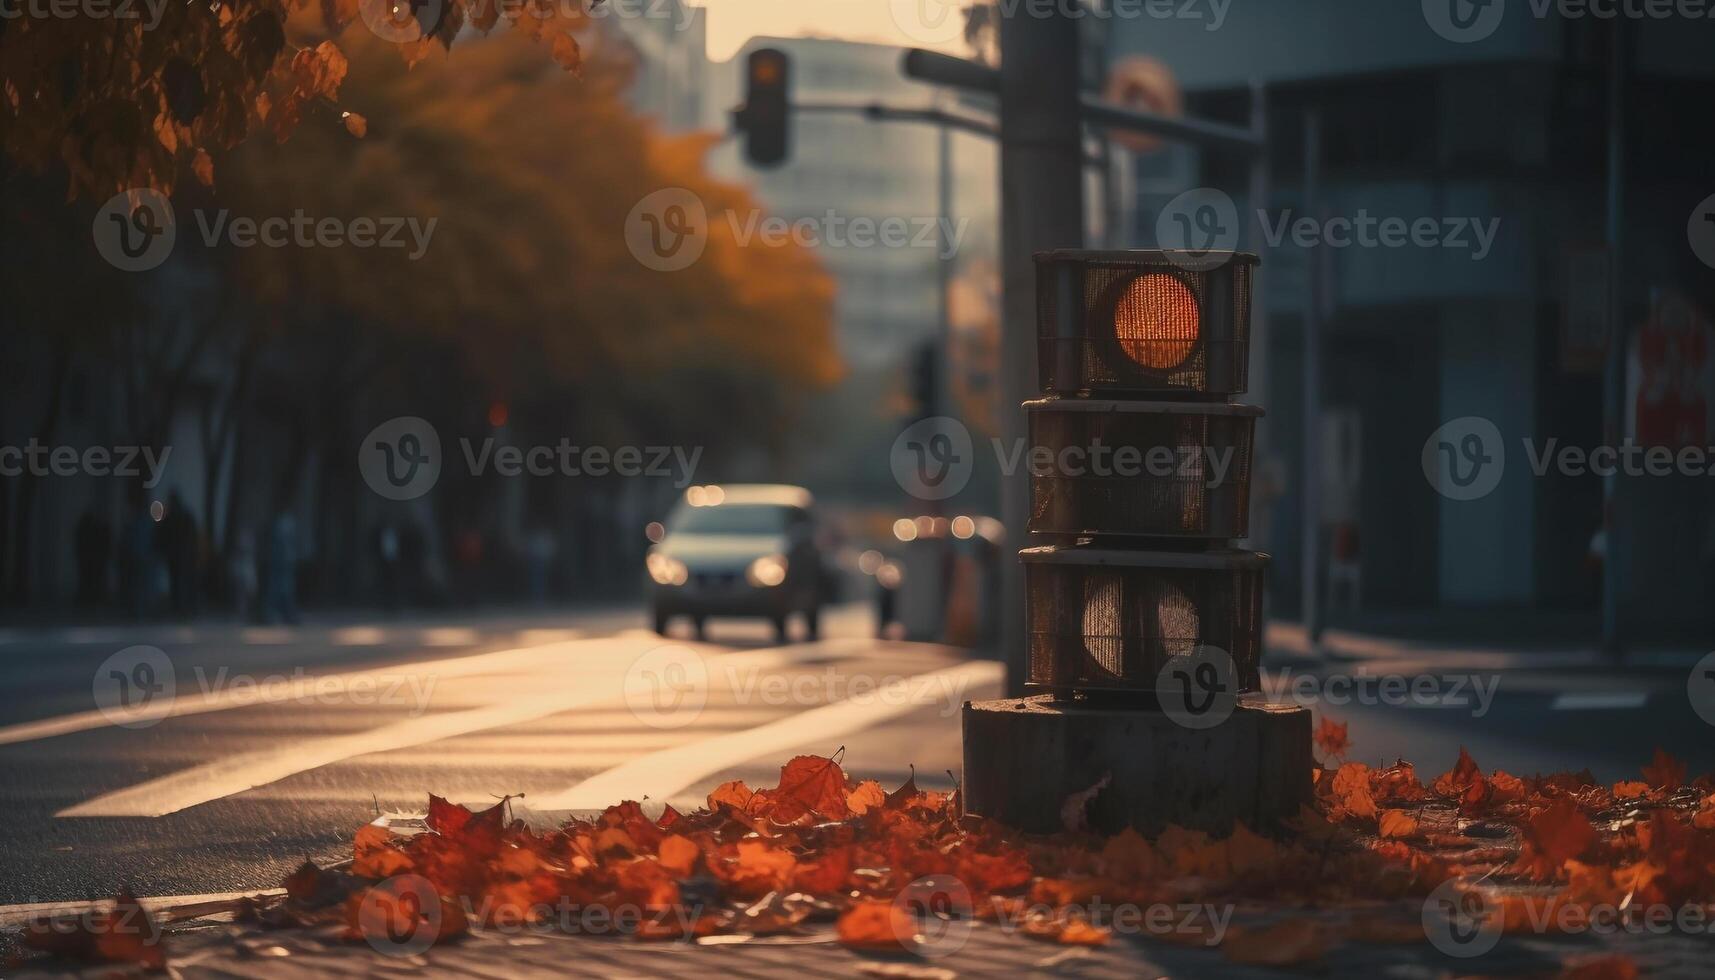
(766, 117)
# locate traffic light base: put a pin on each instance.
(1026, 760)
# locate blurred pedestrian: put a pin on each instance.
(389, 553)
(94, 554)
(181, 549)
(137, 562)
(280, 604)
(539, 551)
(241, 573)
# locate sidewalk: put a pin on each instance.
(217, 948)
(1287, 643)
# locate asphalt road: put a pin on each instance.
(209, 759)
(267, 746)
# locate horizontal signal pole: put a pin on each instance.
(943, 69)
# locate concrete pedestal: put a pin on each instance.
(1023, 758)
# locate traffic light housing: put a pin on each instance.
(766, 117)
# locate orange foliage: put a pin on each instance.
(123, 101)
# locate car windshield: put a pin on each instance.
(732, 519)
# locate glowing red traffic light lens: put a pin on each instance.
(1156, 321)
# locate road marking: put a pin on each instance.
(166, 907)
(593, 682)
(1618, 701)
(358, 636)
(449, 636)
(232, 696)
(664, 774)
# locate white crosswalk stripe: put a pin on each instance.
(520, 717)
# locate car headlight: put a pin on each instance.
(667, 571)
(767, 571)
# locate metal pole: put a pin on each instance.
(1042, 207)
(1614, 400)
(1312, 475)
(944, 271)
(1259, 354)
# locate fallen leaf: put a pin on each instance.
(1331, 738)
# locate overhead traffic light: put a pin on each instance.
(766, 116)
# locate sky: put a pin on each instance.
(916, 23)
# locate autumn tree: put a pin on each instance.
(526, 291)
(131, 95)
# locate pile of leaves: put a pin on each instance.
(822, 847)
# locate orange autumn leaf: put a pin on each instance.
(1630, 790)
(1705, 816)
(866, 796)
(1331, 738)
(1506, 788)
(678, 855)
(355, 124)
(1351, 789)
(1560, 832)
(1077, 932)
(1664, 771)
(734, 794)
(1455, 781)
(875, 924)
(203, 167)
(1397, 823)
(810, 785)
(567, 53)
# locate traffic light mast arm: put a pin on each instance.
(943, 69)
(885, 113)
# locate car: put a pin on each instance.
(748, 550)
